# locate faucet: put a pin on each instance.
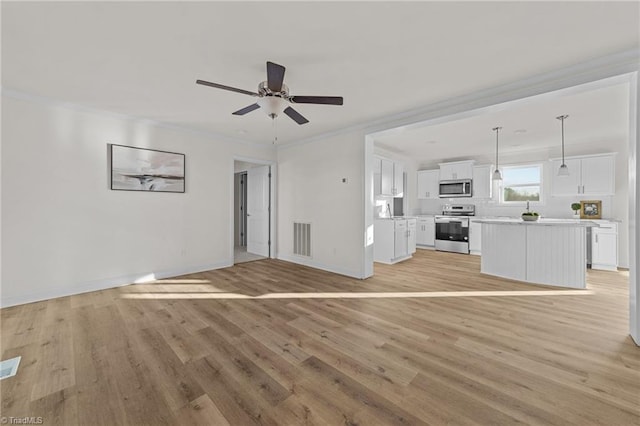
(388, 209)
(527, 207)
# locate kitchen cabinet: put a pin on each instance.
(482, 182)
(390, 181)
(411, 234)
(377, 175)
(426, 231)
(386, 175)
(589, 175)
(475, 237)
(428, 184)
(391, 240)
(604, 246)
(456, 170)
(398, 180)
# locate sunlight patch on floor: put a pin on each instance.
(363, 295)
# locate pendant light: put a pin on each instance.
(496, 174)
(563, 170)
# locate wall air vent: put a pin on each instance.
(302, 239)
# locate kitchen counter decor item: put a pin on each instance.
(576, 210)
(591, 209)
(530, 216)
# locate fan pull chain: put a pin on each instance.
(274, 125)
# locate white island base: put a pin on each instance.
(545, 252)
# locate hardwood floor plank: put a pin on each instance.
(236, 402)
(249, 350)
(381, 408)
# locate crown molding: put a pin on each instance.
(16, 94)
(617, 65)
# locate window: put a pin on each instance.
(522, 183)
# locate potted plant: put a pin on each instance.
(530, 216)
(576, 209)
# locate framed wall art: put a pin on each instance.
(141, 169)
(591, 209)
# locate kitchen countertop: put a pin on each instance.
(543, 222)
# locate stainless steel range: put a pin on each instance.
(452, 228)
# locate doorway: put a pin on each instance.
(251, 212)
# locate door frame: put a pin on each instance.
(272, 203)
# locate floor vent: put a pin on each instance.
(302, 239)
(9, 367)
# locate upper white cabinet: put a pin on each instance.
(398, 180)
(428, 184)
(377, 175)
(389, 181)
(456, 170)
(482, 181)
(592, 175)
(386, 173)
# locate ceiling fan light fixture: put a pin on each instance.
(272, 105)
(563, 171)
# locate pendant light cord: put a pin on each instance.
(562, 124)
(497, 129)
(561, 118)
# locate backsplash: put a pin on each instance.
(554, 207)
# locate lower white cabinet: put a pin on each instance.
(391, 240)
(426, 231)
(411, 234)
(475, 237)
(604, 246)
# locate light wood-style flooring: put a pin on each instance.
(428, 341)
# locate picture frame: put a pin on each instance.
(590, 209)
(147, 170)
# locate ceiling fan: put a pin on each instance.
(273, 96)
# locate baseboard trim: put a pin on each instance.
(317, 265)
(107, 283)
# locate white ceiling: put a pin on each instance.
(142, 59)
(597, 116)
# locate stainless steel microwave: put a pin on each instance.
(455, 188)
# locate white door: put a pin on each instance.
(258, 210)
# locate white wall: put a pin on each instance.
(310, 189)
(65, 232)
(634, 210)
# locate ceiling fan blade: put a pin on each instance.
(295, 115)
(246, 109)
(323, 100)
(275, 76)
(223, 87)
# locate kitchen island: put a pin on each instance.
(548, 251)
